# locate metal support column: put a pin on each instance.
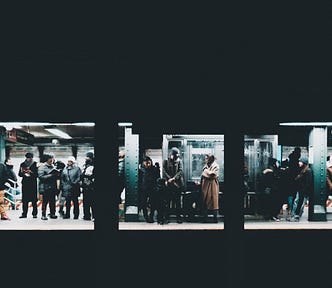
(2, 144)
(131, 175)
(317, 161)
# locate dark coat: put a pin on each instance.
(47, 180)
(70, 178)
(29, 183)
(174, 168)
(3, 176)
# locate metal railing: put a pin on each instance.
(12, 191)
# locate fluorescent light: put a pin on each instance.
(87, 124)
(58, 133)
(306, 124)
(125, 124)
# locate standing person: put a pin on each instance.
(3, 179)
(60, 166)
(48, 175)
(29, 172)
(121, 174)
(293, 171)
(147, 186)
(161, 201)
(173, 174)
(88, 187)
(269, 195)
(11, 179)
(210, 188)
(70, 184)
(305, 190)
(328, 179)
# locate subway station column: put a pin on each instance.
(2, 144)
(131, 175)
(317, 161)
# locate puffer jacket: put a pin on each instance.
(47, 181)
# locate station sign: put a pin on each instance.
(20, 136)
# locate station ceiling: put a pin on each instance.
(47, 133)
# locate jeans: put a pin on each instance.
(305, 199)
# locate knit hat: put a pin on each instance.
(71, 158)
(28, 155)
(89, 155)
(175, 151)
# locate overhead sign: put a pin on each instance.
(16, 135)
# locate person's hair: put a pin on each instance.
(211, 158)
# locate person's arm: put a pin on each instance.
(165, 174)
(179, 173)
(42, 175)
(328, 179)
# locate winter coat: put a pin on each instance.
(305, 181)
(329, 180)
(29, 183)
(3, 176)
(88, 177)
(210, 186)
(70, 181)
(174, 169)
(268, 182)
(47, 180)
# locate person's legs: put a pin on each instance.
(76, 207)
(61, 203)
(2, 207)
(34, 208)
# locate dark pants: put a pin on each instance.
(76, 211)
(174, 200)
(25, 206)
(88, 204)
(48, 198)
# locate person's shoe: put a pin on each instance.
(44, 218)
(4, 217)
(150, 220)
(75, 217)
(275, 219)
(66, 217)
(52, 216)
(34, 216)
(86, 218)
(215, 220)
(179, 221)
(23, 216)
(294, 219)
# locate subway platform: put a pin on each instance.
(251, 222)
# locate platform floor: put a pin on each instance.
(30, 223)
(251, 222)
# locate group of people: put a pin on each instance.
(289, 182)
(161, 192)
(51, 180)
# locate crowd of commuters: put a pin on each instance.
(49, 181)
(160, 193)
(290, 183)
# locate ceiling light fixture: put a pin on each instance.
(58, 133)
